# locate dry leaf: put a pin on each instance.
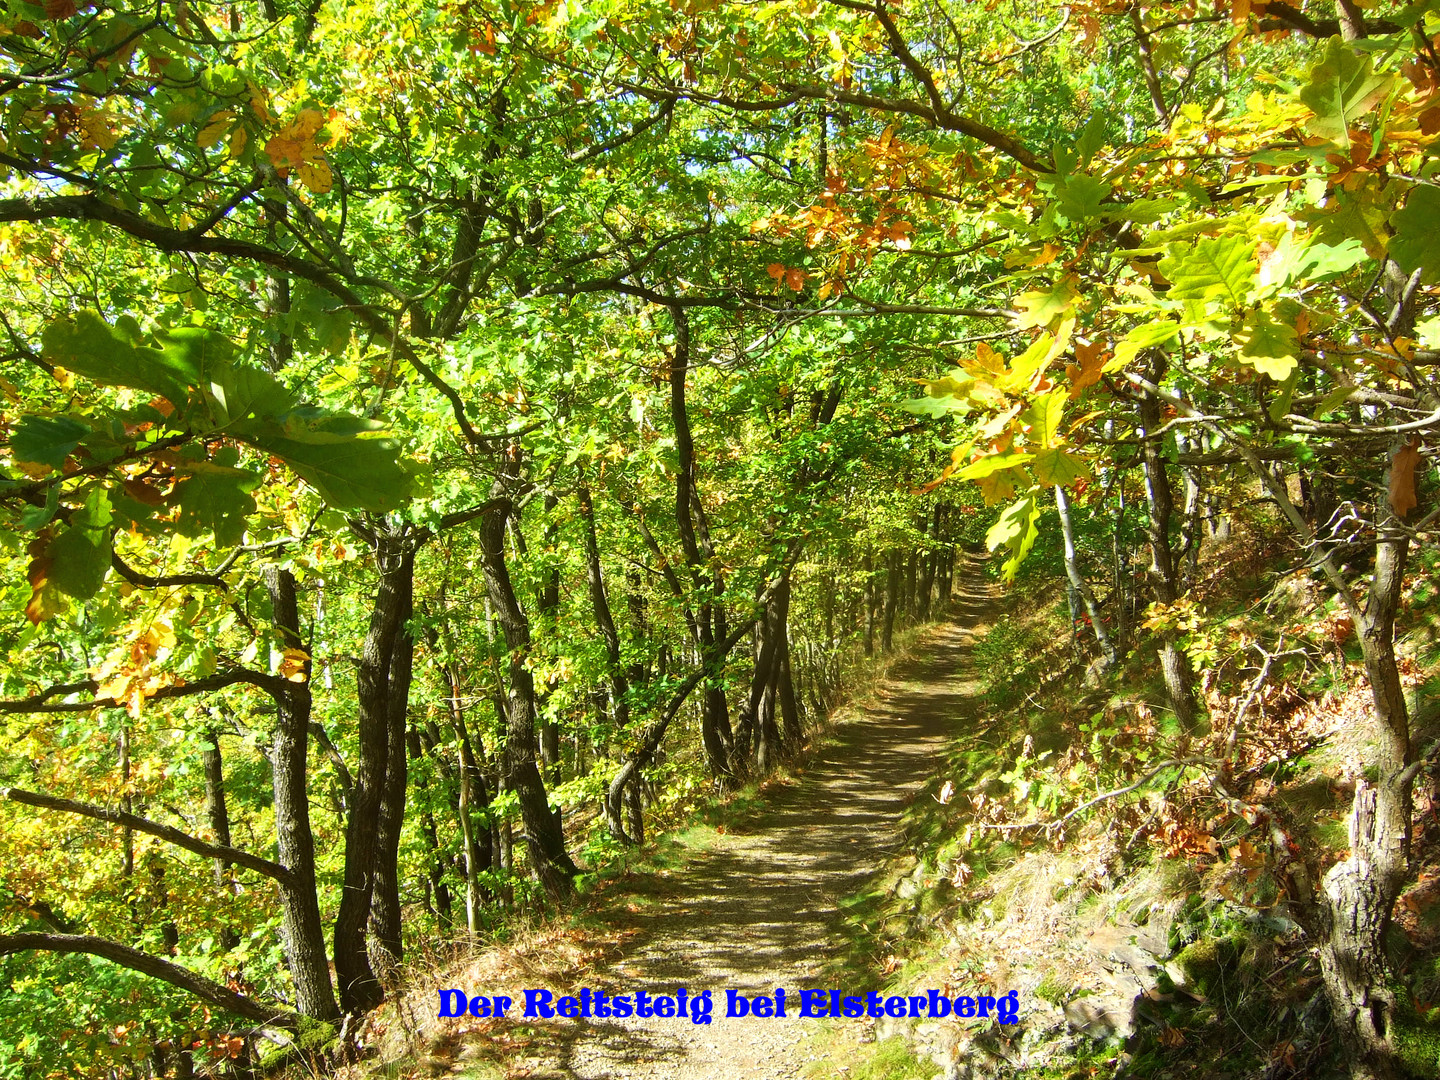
(1402, 479)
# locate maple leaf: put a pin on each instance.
(1402, 479)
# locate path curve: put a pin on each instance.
(759, 911)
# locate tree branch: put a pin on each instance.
(40, 703)
(170, 835)
(212, 993)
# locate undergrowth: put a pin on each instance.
(1076, 823)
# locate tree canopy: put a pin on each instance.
(429, 427)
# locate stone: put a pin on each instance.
(1102, 1018)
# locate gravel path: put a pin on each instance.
(759, 911)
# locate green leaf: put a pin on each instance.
(1334, 400)
(1281, 405)
(1416, 243)
(81, 554)
(1015, 529)
(214, 498)
(46, 440)
(1219, 268)
(1343, 87)
(1353, 216)
(35, 518)
(241, 391)
(1079, 197)
(991, 464)
(1043, 308)
(1142, 337)
(936, 406)
(349, 472)
(1298, 261)
(85, 344)
(1267, 345)
(1056, 466)
(1044, 415)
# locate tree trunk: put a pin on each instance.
(548, 608)
(870, 604)
(479, 852)
(723, 749)
(385, 905)
(1175, 665)
(429, 829)
(300, 910)
(360, 990)
(544, 840)
(1078, 582)
(218, 815)
(618, 688)
(892, 590)
(1359, 892)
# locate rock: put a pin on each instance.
(1102, 1017)
(889, 1026)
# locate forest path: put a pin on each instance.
(759, 909)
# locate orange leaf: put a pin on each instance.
(776, 270)
(292, 664)
(1402, 479)
(1087, 372)
(46, 601)
(795, 278)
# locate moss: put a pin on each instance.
(1206, 963)
(1416, 1039)
(1052, 990)
(310, 1040)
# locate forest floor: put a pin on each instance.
(759, 908)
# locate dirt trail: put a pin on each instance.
(759, 911)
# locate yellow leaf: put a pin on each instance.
(292, 664)
(98, 130)
(315, 175)
(215, 129)
(258, 105)
(237, 141)
(284, 153)
(998, 487)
